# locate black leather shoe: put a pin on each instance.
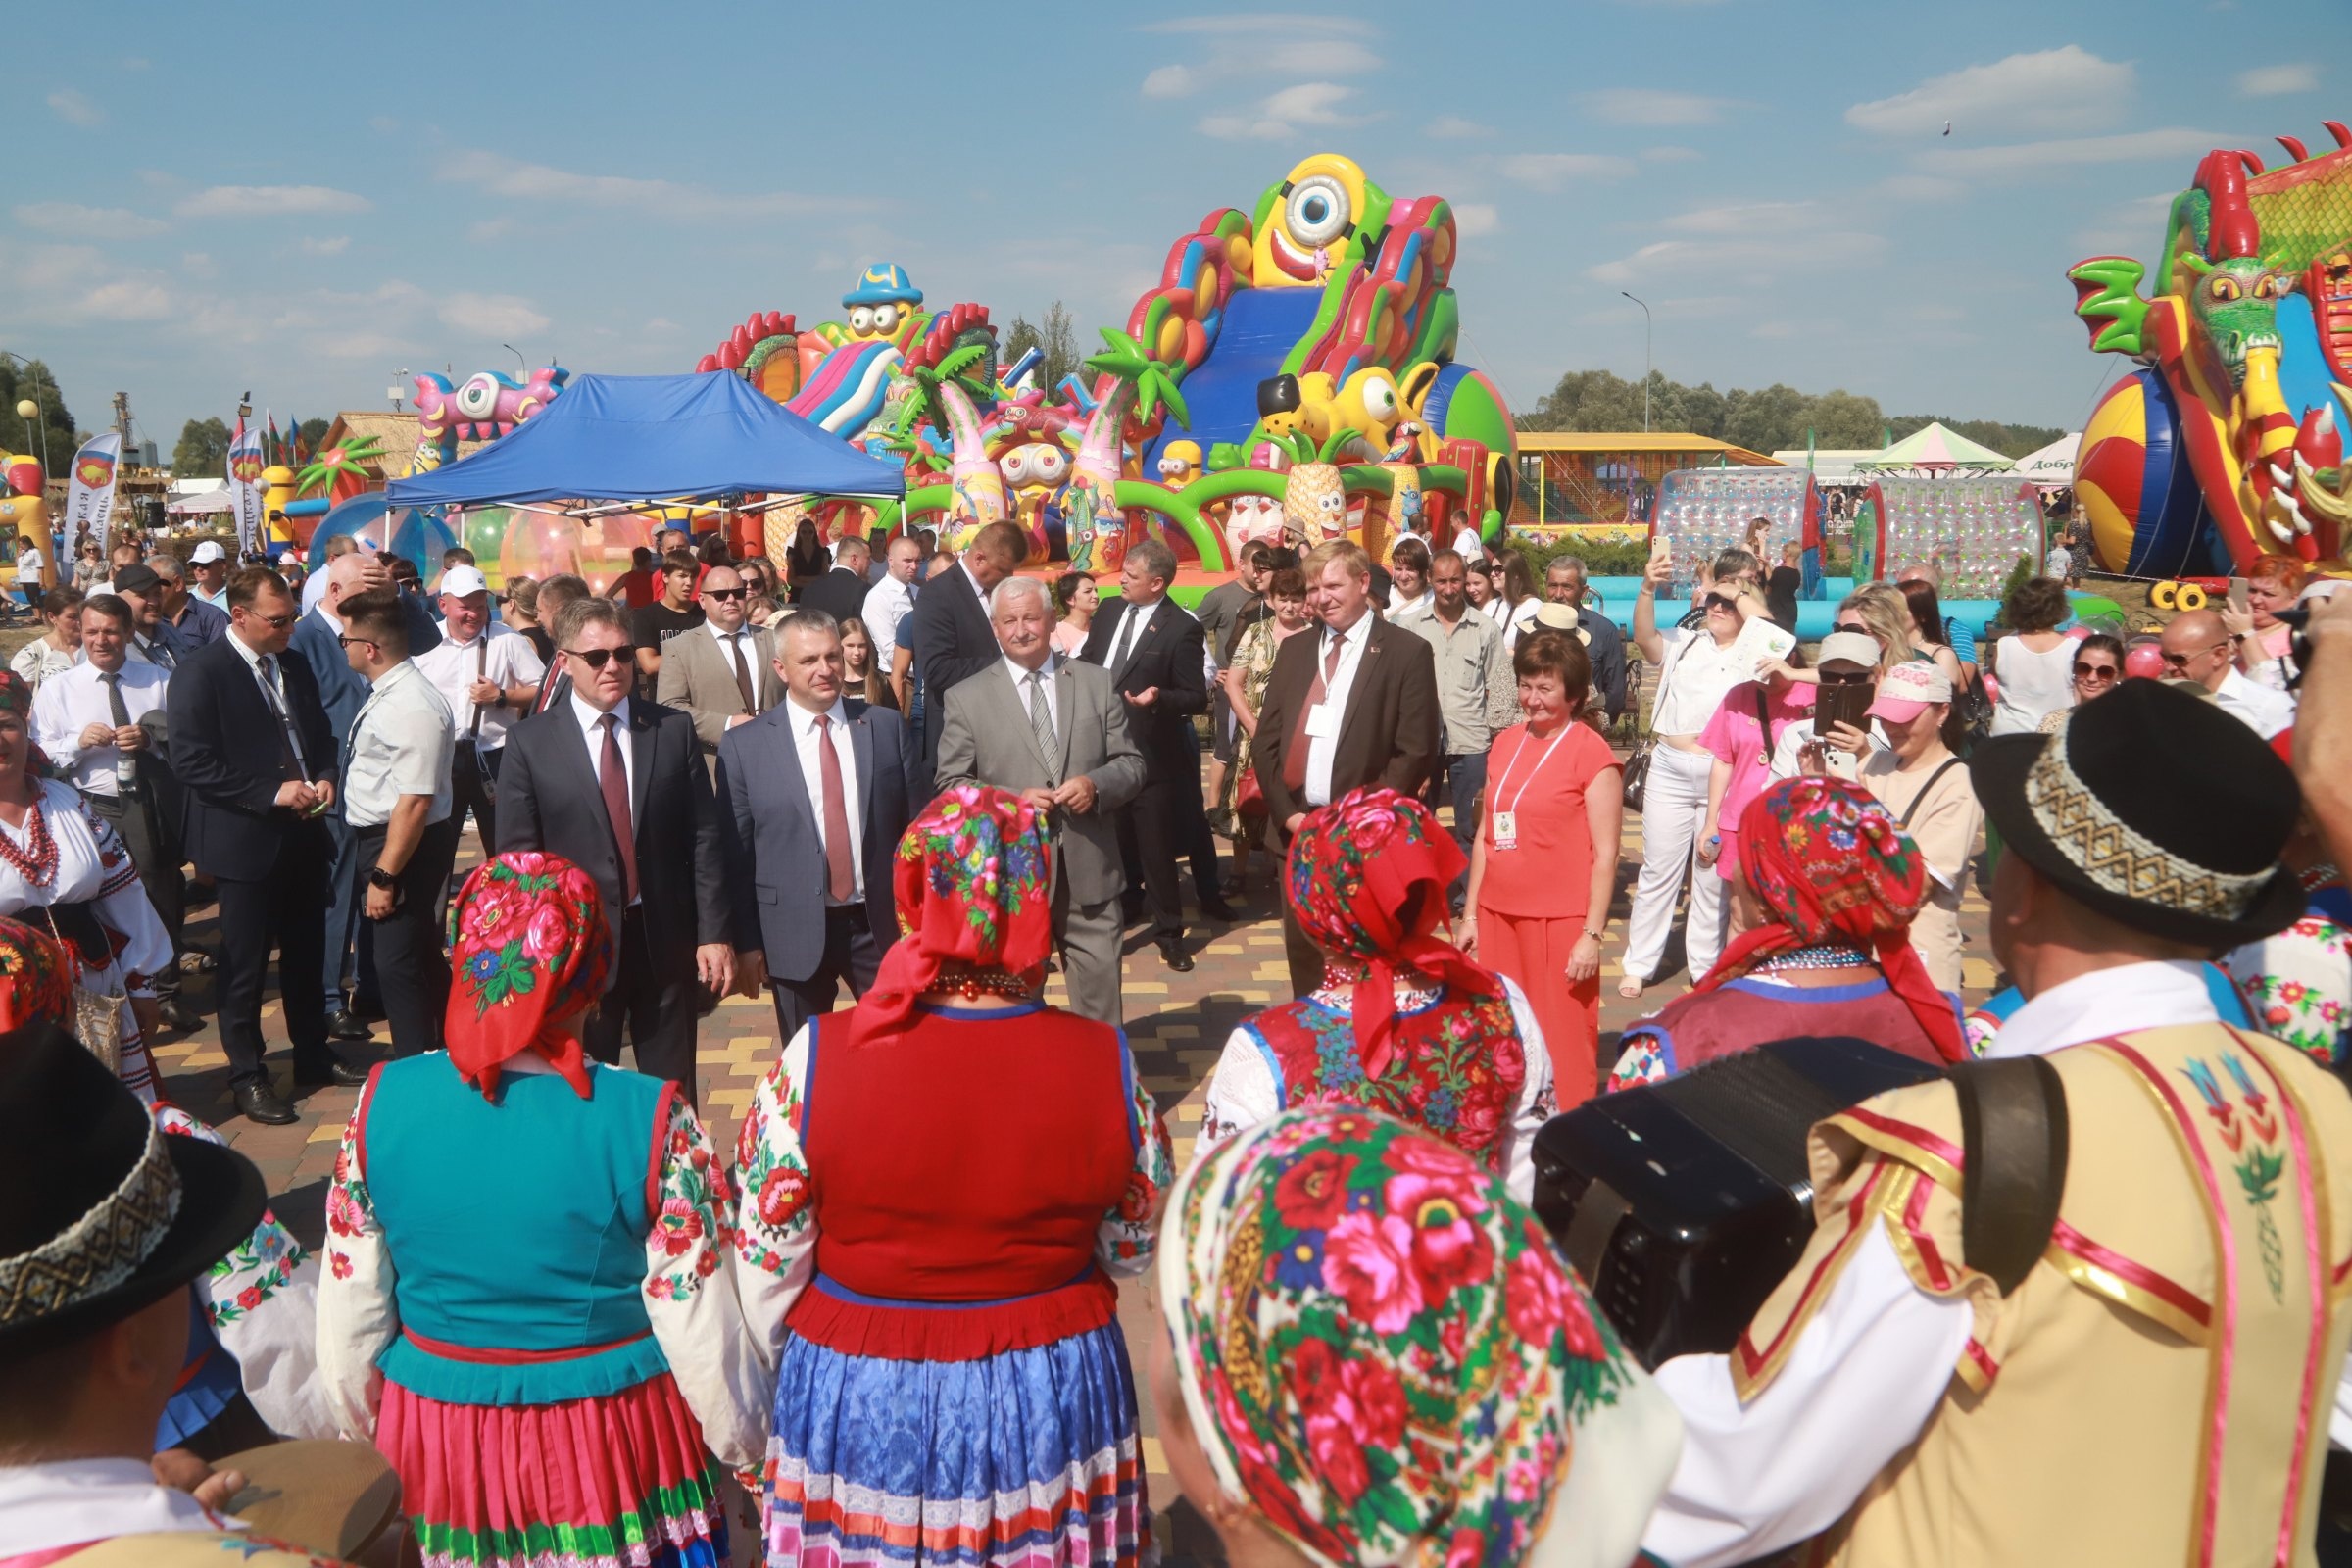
(344, 1024)
(1219, 911)
(178, 1014)
(1172, 953)
(336, 1071)
(258, 1101)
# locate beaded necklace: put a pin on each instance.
(971, 983)
(36, 863)
(1822, 955)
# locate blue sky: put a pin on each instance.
(195, 208)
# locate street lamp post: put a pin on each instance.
(1645, 360)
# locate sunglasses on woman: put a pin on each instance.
(2096, 673)
(1851, 625)
(599, 657)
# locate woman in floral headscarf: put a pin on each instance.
(527, 1303)
(1834, 884)
(951, 1383)
(1375, 1357)
(1403, 1023)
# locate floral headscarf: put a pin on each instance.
(1357, 866)
(974, 887)
(1828, 862)
(1380, 1350)
(37, 977)
(529, 949)
(15, 697)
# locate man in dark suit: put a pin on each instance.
(342, 691)
(1356, 703)
(813, 802)
(841, 592)
(256, 761)
(952, 630)
(618, 787)
(1152, 650)
(554, 594)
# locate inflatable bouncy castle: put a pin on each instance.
(2226, 443)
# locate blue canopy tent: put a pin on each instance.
(654, 438)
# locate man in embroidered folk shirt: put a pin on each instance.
(2068, 1371)
(397, 798)
(488, 676)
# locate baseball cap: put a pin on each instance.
(463, 579)
(138, 579)
(207, 553)
(1907, 691)
(1850, 647)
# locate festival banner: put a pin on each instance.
(245, 464)
(90, 497)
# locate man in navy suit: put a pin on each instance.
(618, 787)
(814, 802)
(342, 691)
(257, 765)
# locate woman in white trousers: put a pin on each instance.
(1697, 665)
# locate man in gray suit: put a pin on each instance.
(1057, 736)
(811, 804)
(721, 671)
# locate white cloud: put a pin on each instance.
(199, 264)
(270, 201)
(1283, 115)
(1474, 220)
(2277, 82)
(1278, 43)
(1755, 254)
(1773, 330)
(1650, 106)
(75, 109)
(2052, 91)
(490, 314)
(1747, 218)
(88, 223)
(1551, 170)
(501, 176)
(1454, 128)
(2034, 156)
(335, 246)
(662, 324)
(1170, 81)
(360, 345)
(126, 300)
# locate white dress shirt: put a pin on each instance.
(401, 744)
(2263, 711)
(72, 699)
(508, 658)
(1135, 618)
(589, 720)
(1321, 750)
(1871, 1368)
(805, 743)
(744, 637)
(886, 604)
(73, 1503)
(1020, 690)
(274, 692)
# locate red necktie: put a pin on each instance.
(841, 882)
(613, 775)
(1294, 753)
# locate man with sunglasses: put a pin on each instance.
(723, 673)
(2198, 648)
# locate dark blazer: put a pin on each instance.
(1388, 733)
(953, 642)
(1168, 656)
(773, 847)
(838, 593)
(549, 800)
(341, 688)
(226, 755)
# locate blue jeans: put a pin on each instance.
(1467, 773)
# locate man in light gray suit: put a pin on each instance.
(1059, 738)
(812, 803)
(720, 672)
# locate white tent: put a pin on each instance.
(2053, 464)
(202, 503)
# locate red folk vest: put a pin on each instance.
(960, 1171)
(1458, 1070)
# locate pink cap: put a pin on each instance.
(1909, 690)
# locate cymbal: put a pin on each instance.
(328, 1497)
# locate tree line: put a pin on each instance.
(1773, 418)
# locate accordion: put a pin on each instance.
(1682, 1203)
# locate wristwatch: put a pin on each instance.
(378, 877)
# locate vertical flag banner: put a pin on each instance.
(91, 496)
(245, 467)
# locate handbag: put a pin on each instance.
(1637, 765)
(97, 1015)
(1249, 796)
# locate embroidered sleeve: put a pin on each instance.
(688, 1295)
(1643, 1057)
(775, 1222)
(142, 946)
(357, 1319)
(1539, 1099)
(1243, 1092)
(1129, 1234)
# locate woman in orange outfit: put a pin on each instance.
(1546, 858)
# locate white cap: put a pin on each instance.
(1849, 647)
(207, 553)
(463, 579)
